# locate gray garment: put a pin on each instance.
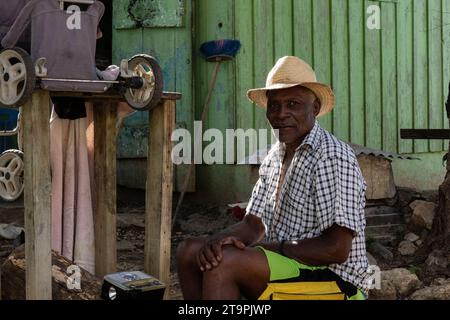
(70, 53)
(9, 10)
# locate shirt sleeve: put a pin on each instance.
(340, 194)
(20, 24)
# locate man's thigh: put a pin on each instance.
(250, 267)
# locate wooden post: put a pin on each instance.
(159, 192)
(37, 196)
(105, 187)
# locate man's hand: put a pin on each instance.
(210, 255)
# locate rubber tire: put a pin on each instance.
(20, 154)
(159, 84)
(30, 80)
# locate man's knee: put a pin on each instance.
(188, 249)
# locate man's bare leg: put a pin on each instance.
(241, 272)
(189, 273)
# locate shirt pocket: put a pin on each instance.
(296, 200)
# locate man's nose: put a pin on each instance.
(283, 111)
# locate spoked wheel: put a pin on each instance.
(17, 78)
(11, 175)
(149, 95)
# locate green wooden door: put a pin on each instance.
(162, 29)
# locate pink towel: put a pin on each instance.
(72, 209)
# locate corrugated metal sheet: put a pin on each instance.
(379, 153)
(258, 157)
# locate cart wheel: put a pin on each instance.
(17, 78)
(11, 175)
(149, 95)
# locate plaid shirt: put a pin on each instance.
(323, 186)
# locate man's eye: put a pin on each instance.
(273, 106)
(292, 104)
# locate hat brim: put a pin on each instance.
(323, 92)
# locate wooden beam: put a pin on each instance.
(37, 201)
(425, 134)
(159, 192)
(111, 95)
(105, 118)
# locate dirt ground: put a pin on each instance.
(194, 220)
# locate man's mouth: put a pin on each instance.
(284, 127)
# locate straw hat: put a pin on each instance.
(289, 72)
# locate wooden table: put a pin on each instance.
(37, 199)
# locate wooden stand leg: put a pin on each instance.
(159, 192)
(37, 197)
(105, 184)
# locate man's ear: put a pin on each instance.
(317, 106)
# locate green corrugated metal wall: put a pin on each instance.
(384, 79)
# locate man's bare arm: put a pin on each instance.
(332, 247)
(245, 233)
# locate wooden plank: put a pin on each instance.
(302, 31)
(105, 118)
(245, 110)
(436, 120)
(158, 208)
(445, 35)
(340, 62)
(437, 134)
(357, 24)
(421, 109)
(283, 16)
(373, 85)
(405, 71)
(111, 95)
(264, 60)
(37, 199)
(389, 77)
(184, 82)
(322, 49)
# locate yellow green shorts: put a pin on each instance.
(284, 269)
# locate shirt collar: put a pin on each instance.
(312, 140)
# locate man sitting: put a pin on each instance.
(305, 219)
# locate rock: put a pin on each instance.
(431, 196)
(423, 213)
(406, 196)
(437, 260)
(404, 281)
(412, 237)
(387, 291)
(419, 243)
(378, 250)
(377, 172)
(125, 245)
(407, 248)
(130, 220)
(372, 260)
(441, 292)
(440, 281)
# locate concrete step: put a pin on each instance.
(390, 230)
(379, 210)
(384, 219)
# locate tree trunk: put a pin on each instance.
(13, 279)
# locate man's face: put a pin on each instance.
(293, 112)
